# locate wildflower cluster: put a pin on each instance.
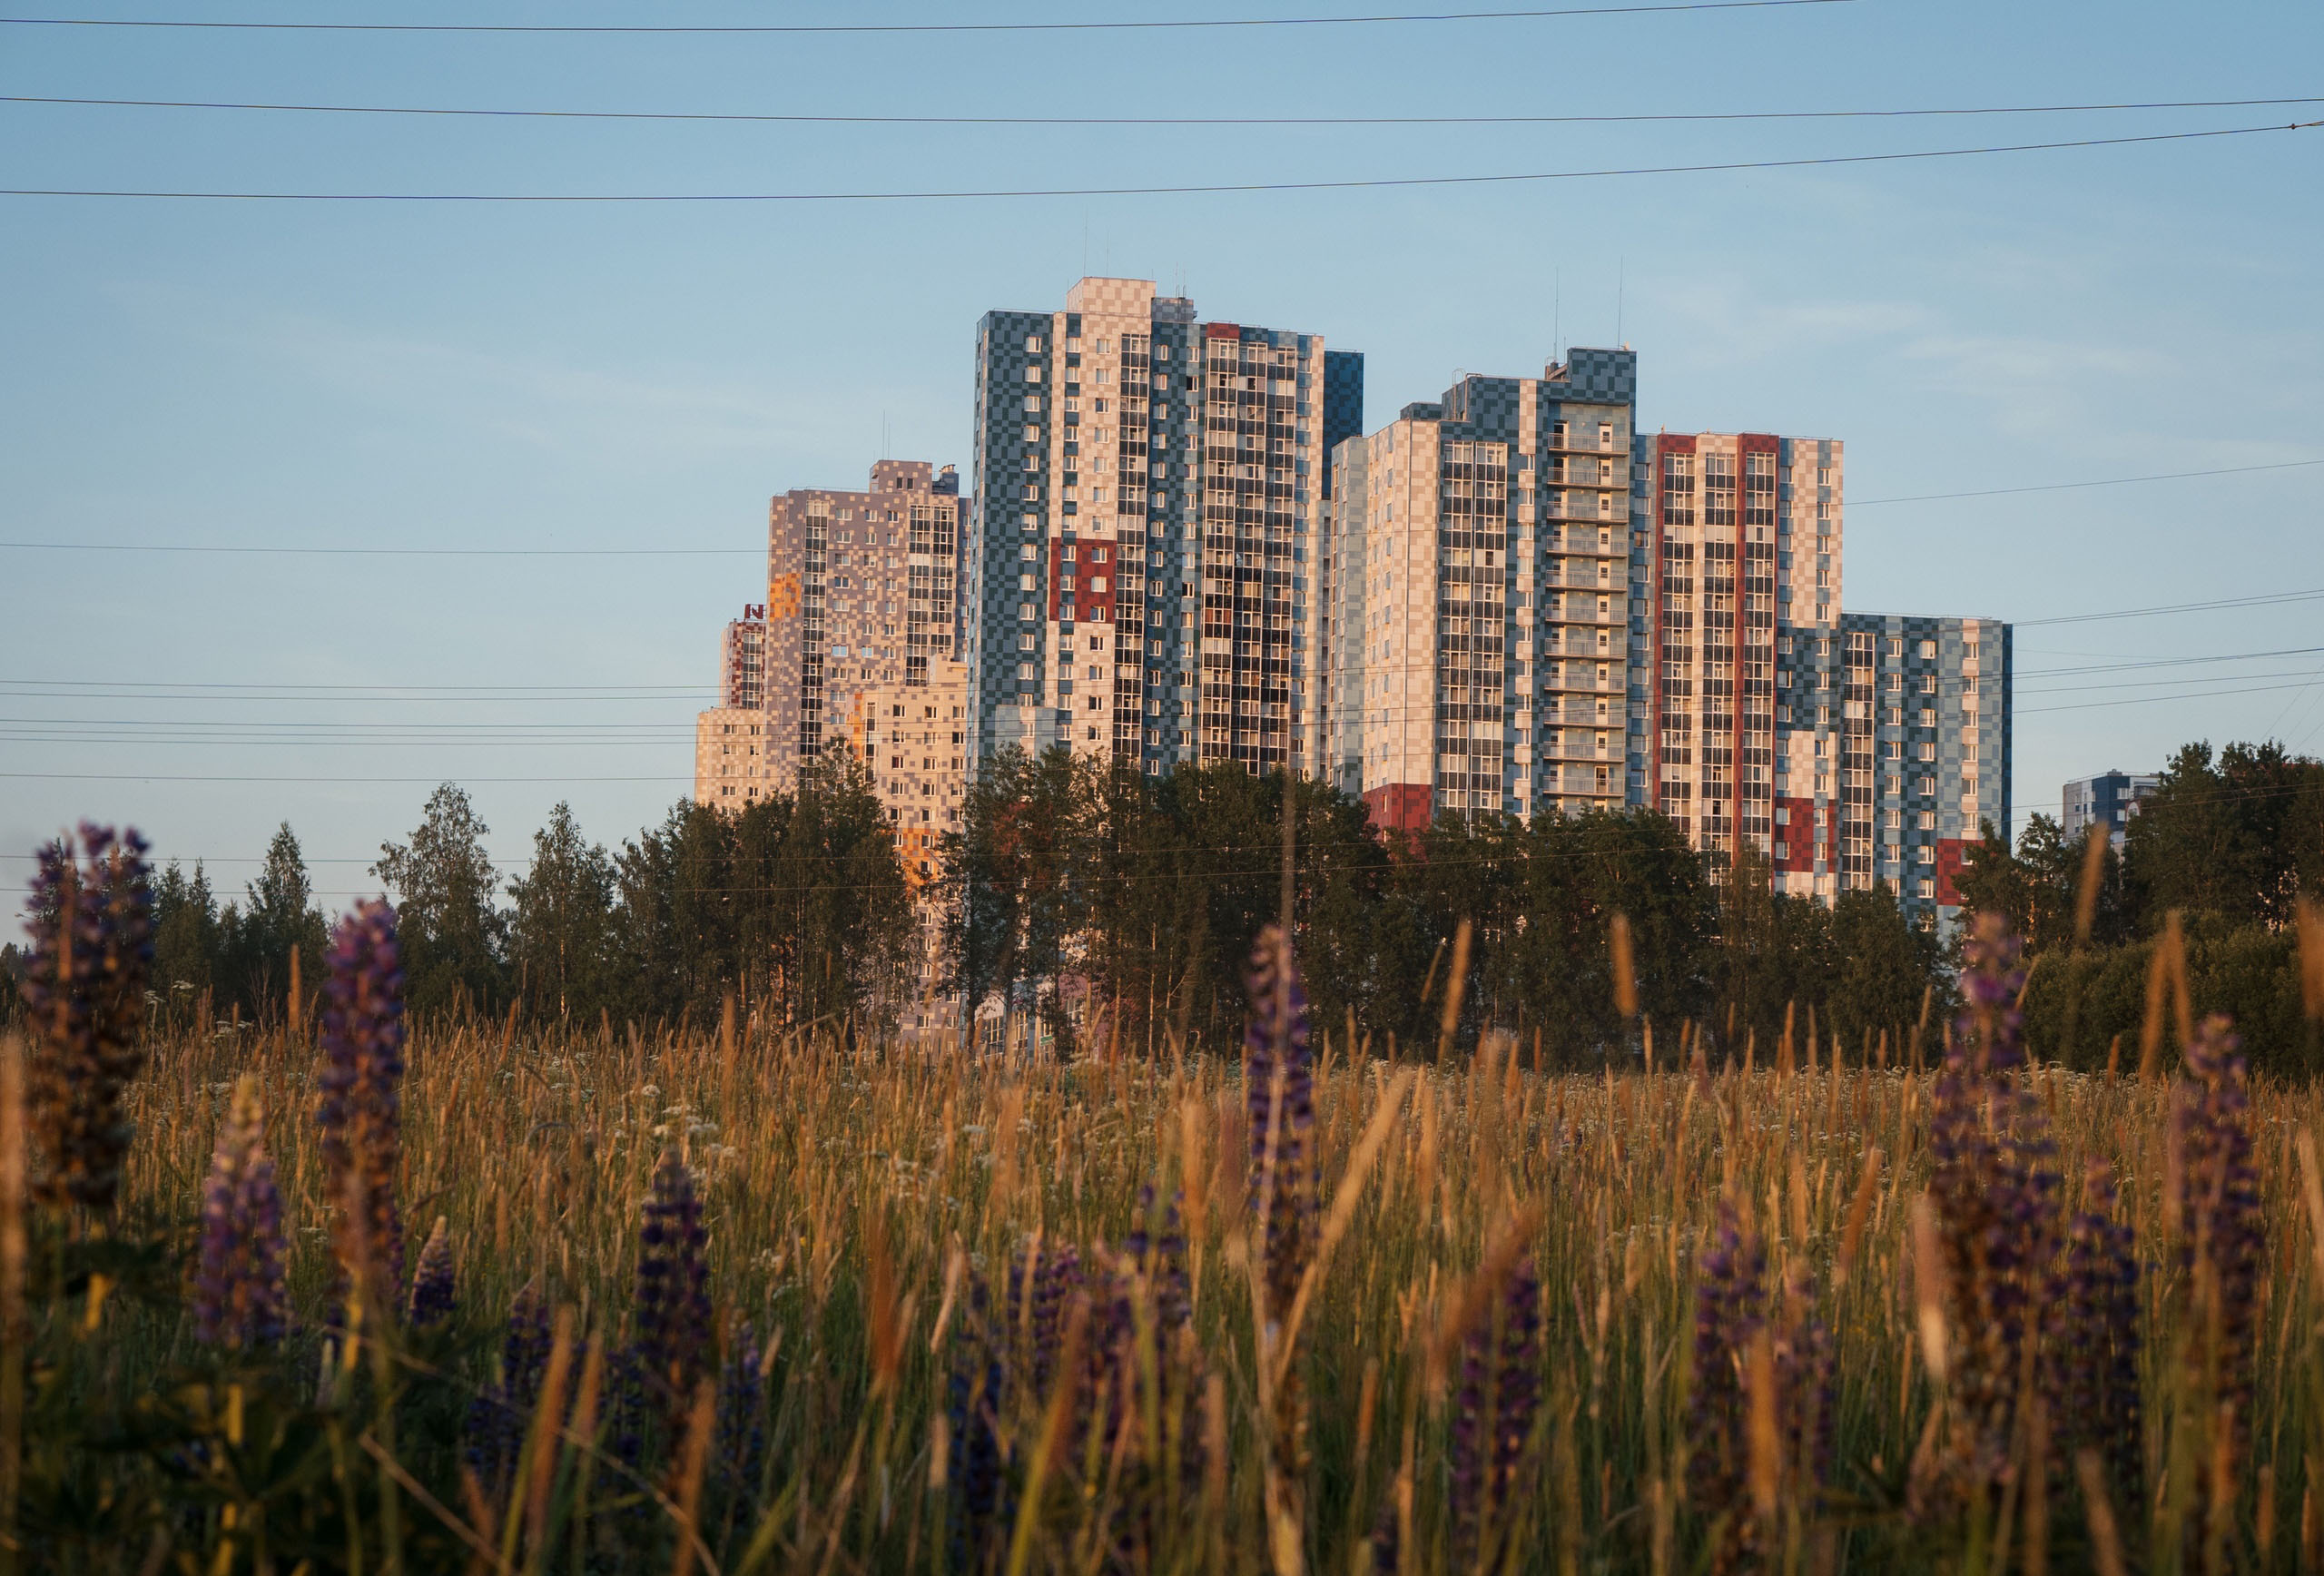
(359, 1109)
(239, 1296)
(83, 988)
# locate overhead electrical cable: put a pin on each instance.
(2068, 486)
(1217, 189)
(803, 28)
(1188, 122)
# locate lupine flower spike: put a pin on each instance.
(976, 1503)
(1994, 1187)
(1494, 1416)
(238, 1299)
(432, 1293)
(2092, 1378)
(2224, 1241)
(674, 1321)
(1279, 1094)
(1731, 1312)
(1279, 1066)
(499, 1415)
(360, 1108)
(92, 935)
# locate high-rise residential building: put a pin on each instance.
(731, 764)
(1934, 695)
(1740, 606)
(911, 737)
(863, 589)
(1477, 596)
(1148, 488)
(741, 661)
(2109, 799)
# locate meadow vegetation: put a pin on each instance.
(765, 1295)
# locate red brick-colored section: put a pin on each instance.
(1950, 857)
(1401, 806)
(1797, 835)
(1089, 607)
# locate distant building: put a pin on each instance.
(733, 768)
(1476, 592)
(1741, 582)
(1935, 696)
(2110, 799)
(741, 661)
(911, 738)
(863, 589)
(1139, 577)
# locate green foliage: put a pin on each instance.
(2091, 1006)
(1084, 897)
(2240, 837)
(449, 927)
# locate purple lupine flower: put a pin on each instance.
(1387, 1539)
(2092, 1378)
(239, 1299)
(1804, 1384)
(1044, 1278)
(1283, 1165)
(674, 1321)
(2223, 1248)
(976, 1503)
(1730, 1310)
(360, 1107)
(738, 1448)
(1495, 1411)
(1160, 1255)
(501, 1410)
(432, 1290)
(1996, 1189)
(92, 932)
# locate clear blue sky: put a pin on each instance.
(620, 376)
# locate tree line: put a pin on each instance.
(797, 907)
(1113, 910)
(2213, 876)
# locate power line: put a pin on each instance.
(713, 117)
(2268, 600)
(167, 777)
(1226, 188)
(2168, 662)
(393, 552)
(795, 29)
(2066, 485)
(2150, 700)
(371, 691)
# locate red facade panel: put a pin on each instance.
(1400, 806)
(1797, 835)
(1950, 855)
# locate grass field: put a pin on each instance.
(864, 1206)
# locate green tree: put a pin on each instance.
(449, 928)
(2240, 837)
(1881, 970)
(186, 935)
(279, 916)
(561, 931)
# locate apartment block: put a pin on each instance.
(733, 768)
(911, 738)
(1149, 488)
(2109, 799)
(1478, 597)
(741, 661)
(863, 590)
(1935, 696)
(1736, 612)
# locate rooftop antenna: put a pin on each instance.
(1557, 316)
(1622, 284)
